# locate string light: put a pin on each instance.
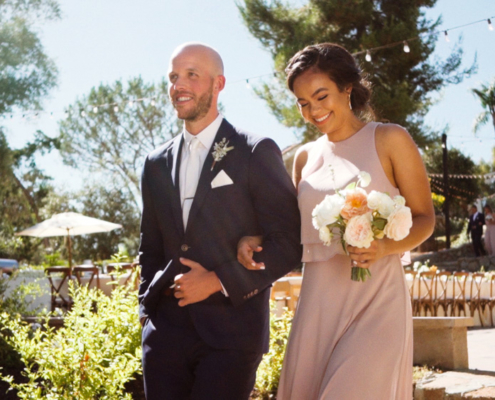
(95, 109)
(83, 113)
(366, 52)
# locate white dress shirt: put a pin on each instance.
(206, 138)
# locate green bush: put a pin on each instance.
(92, 356)
(268, 374)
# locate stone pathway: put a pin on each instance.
(476, 383)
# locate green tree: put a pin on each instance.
(402, 83)
(23, 188)
(115, 138)
(26, 72)
(110, 204)
(27, 75)
(486, 96)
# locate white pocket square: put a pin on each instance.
(222, 179)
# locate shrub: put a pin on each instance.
(92, 356)
(268, 374)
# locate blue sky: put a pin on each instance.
(102, 41)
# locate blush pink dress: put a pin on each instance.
(349, 340)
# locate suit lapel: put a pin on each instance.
(204, 185)
(174, 157)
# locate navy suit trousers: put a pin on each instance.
(179, 365)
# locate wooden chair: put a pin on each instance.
(426, 292)
(412, 292)
(441, 295)
(491, 301)
(58, 299)
(114, 269)
(81, 270)
(459, 302)
(475, 302)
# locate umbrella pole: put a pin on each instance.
(70, 253)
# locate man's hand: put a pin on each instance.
(196, 285)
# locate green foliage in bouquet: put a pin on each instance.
(91, 357)
(268, 375)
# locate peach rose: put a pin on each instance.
(399, 223)
(358, 232)
(356, 203)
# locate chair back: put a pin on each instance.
(475, 291)
(58, 299)
(83, 270)
(427, 281)
(441, 287)
(114, 269)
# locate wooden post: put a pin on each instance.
(446, 190)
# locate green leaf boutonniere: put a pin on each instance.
(220, 151)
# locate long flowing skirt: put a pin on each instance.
(350, 340)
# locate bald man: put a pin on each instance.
(205, 317)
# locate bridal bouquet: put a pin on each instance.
(359, 218)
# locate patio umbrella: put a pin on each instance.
(69, 223)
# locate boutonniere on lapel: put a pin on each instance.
(220, 151)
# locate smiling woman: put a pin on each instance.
(342, 328)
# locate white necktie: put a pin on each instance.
(193, 170)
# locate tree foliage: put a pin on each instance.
(462, 191)
(26, 72)
(403, 83)
(115, 139)
(486, 96)
(23, 189)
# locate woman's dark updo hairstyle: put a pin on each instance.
(340, 66)
(489, 208)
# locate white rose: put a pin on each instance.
(399, 223)
(325, 235)
(400, 201)
(364, 178)
(327, 211)
(358, 232)
(381, 202)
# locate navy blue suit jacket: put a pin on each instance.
(261, 201)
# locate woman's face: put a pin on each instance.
(486, 210)
(321, 102)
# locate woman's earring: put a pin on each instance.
(350, 105)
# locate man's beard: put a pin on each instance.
(201, 109)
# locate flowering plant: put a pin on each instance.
(360, 217)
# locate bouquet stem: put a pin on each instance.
(359, 274)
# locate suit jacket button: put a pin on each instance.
(184, 247)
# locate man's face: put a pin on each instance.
(191, 85)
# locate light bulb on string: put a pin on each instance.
(51, 115)
(95, 109)
(66, 114)
(443, 145)
(131, 103)
(153, 102)
(490, 26)
(247, 84)
(116, 109)
(368, 56)
(406, 47)
(83, 113)
(447, 39)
